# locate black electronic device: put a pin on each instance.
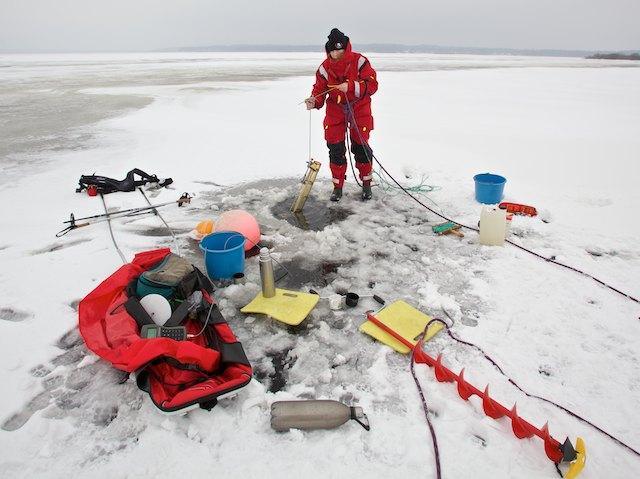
(152, 331)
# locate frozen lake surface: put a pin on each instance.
(229, 128)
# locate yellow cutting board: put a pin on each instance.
(405, 320)
(289, 307)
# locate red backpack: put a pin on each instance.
(176, 374)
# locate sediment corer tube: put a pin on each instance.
(266, 274)
(314, 414)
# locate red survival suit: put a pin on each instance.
(355, 69)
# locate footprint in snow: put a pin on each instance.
(69, 389)
(13, 315)
(74, 304)
(58, 246)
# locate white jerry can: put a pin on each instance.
(493, 226)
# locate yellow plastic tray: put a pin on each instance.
(289, 307)
(405, 320)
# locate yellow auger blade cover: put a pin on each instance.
(289, 307)
(405, 320)
(578, 464)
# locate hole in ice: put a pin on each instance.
(316, 215)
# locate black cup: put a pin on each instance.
(351, 299)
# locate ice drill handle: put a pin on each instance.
(266, 274)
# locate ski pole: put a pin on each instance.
(185, 198)
(113, 238)
(155, 211)
(73, 225)
(89, 220)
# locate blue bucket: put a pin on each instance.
(489, 188)
(223, 254)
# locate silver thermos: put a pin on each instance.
(314, 414)
(266, 274)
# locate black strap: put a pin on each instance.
(137, 312)
(209, 405)
(178, 316)
(142, 380)
(191, 282)
(203, 281)
(233, 353)
(186, 286)
(229, 352)
(135, 309)
(215, 317)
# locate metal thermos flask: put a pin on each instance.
(314, 414)
(266, 274)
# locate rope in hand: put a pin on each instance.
(421, 188)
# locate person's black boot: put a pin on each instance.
(336, 195)
(366, 192)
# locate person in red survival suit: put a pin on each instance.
(346, 80)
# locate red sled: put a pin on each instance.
(176, 374)
(518, 209)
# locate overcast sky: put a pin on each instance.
(141, 25)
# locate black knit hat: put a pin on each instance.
(337, 40)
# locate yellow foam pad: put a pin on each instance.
(405, 320)
(289, 307)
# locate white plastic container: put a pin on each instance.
(493, 226)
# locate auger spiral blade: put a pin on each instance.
(491, 407)
(465, 390)
(556, 452)
(522, 429)
(442, 373)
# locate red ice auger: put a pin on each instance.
(556, 451)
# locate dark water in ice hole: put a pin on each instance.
(316, 215)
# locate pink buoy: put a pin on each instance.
(241, 222)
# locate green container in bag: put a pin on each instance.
(163, 278)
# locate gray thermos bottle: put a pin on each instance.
(266, 274)
(314, 414)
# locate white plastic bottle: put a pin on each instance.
(493, 226)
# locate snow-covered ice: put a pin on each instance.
(228, 127)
